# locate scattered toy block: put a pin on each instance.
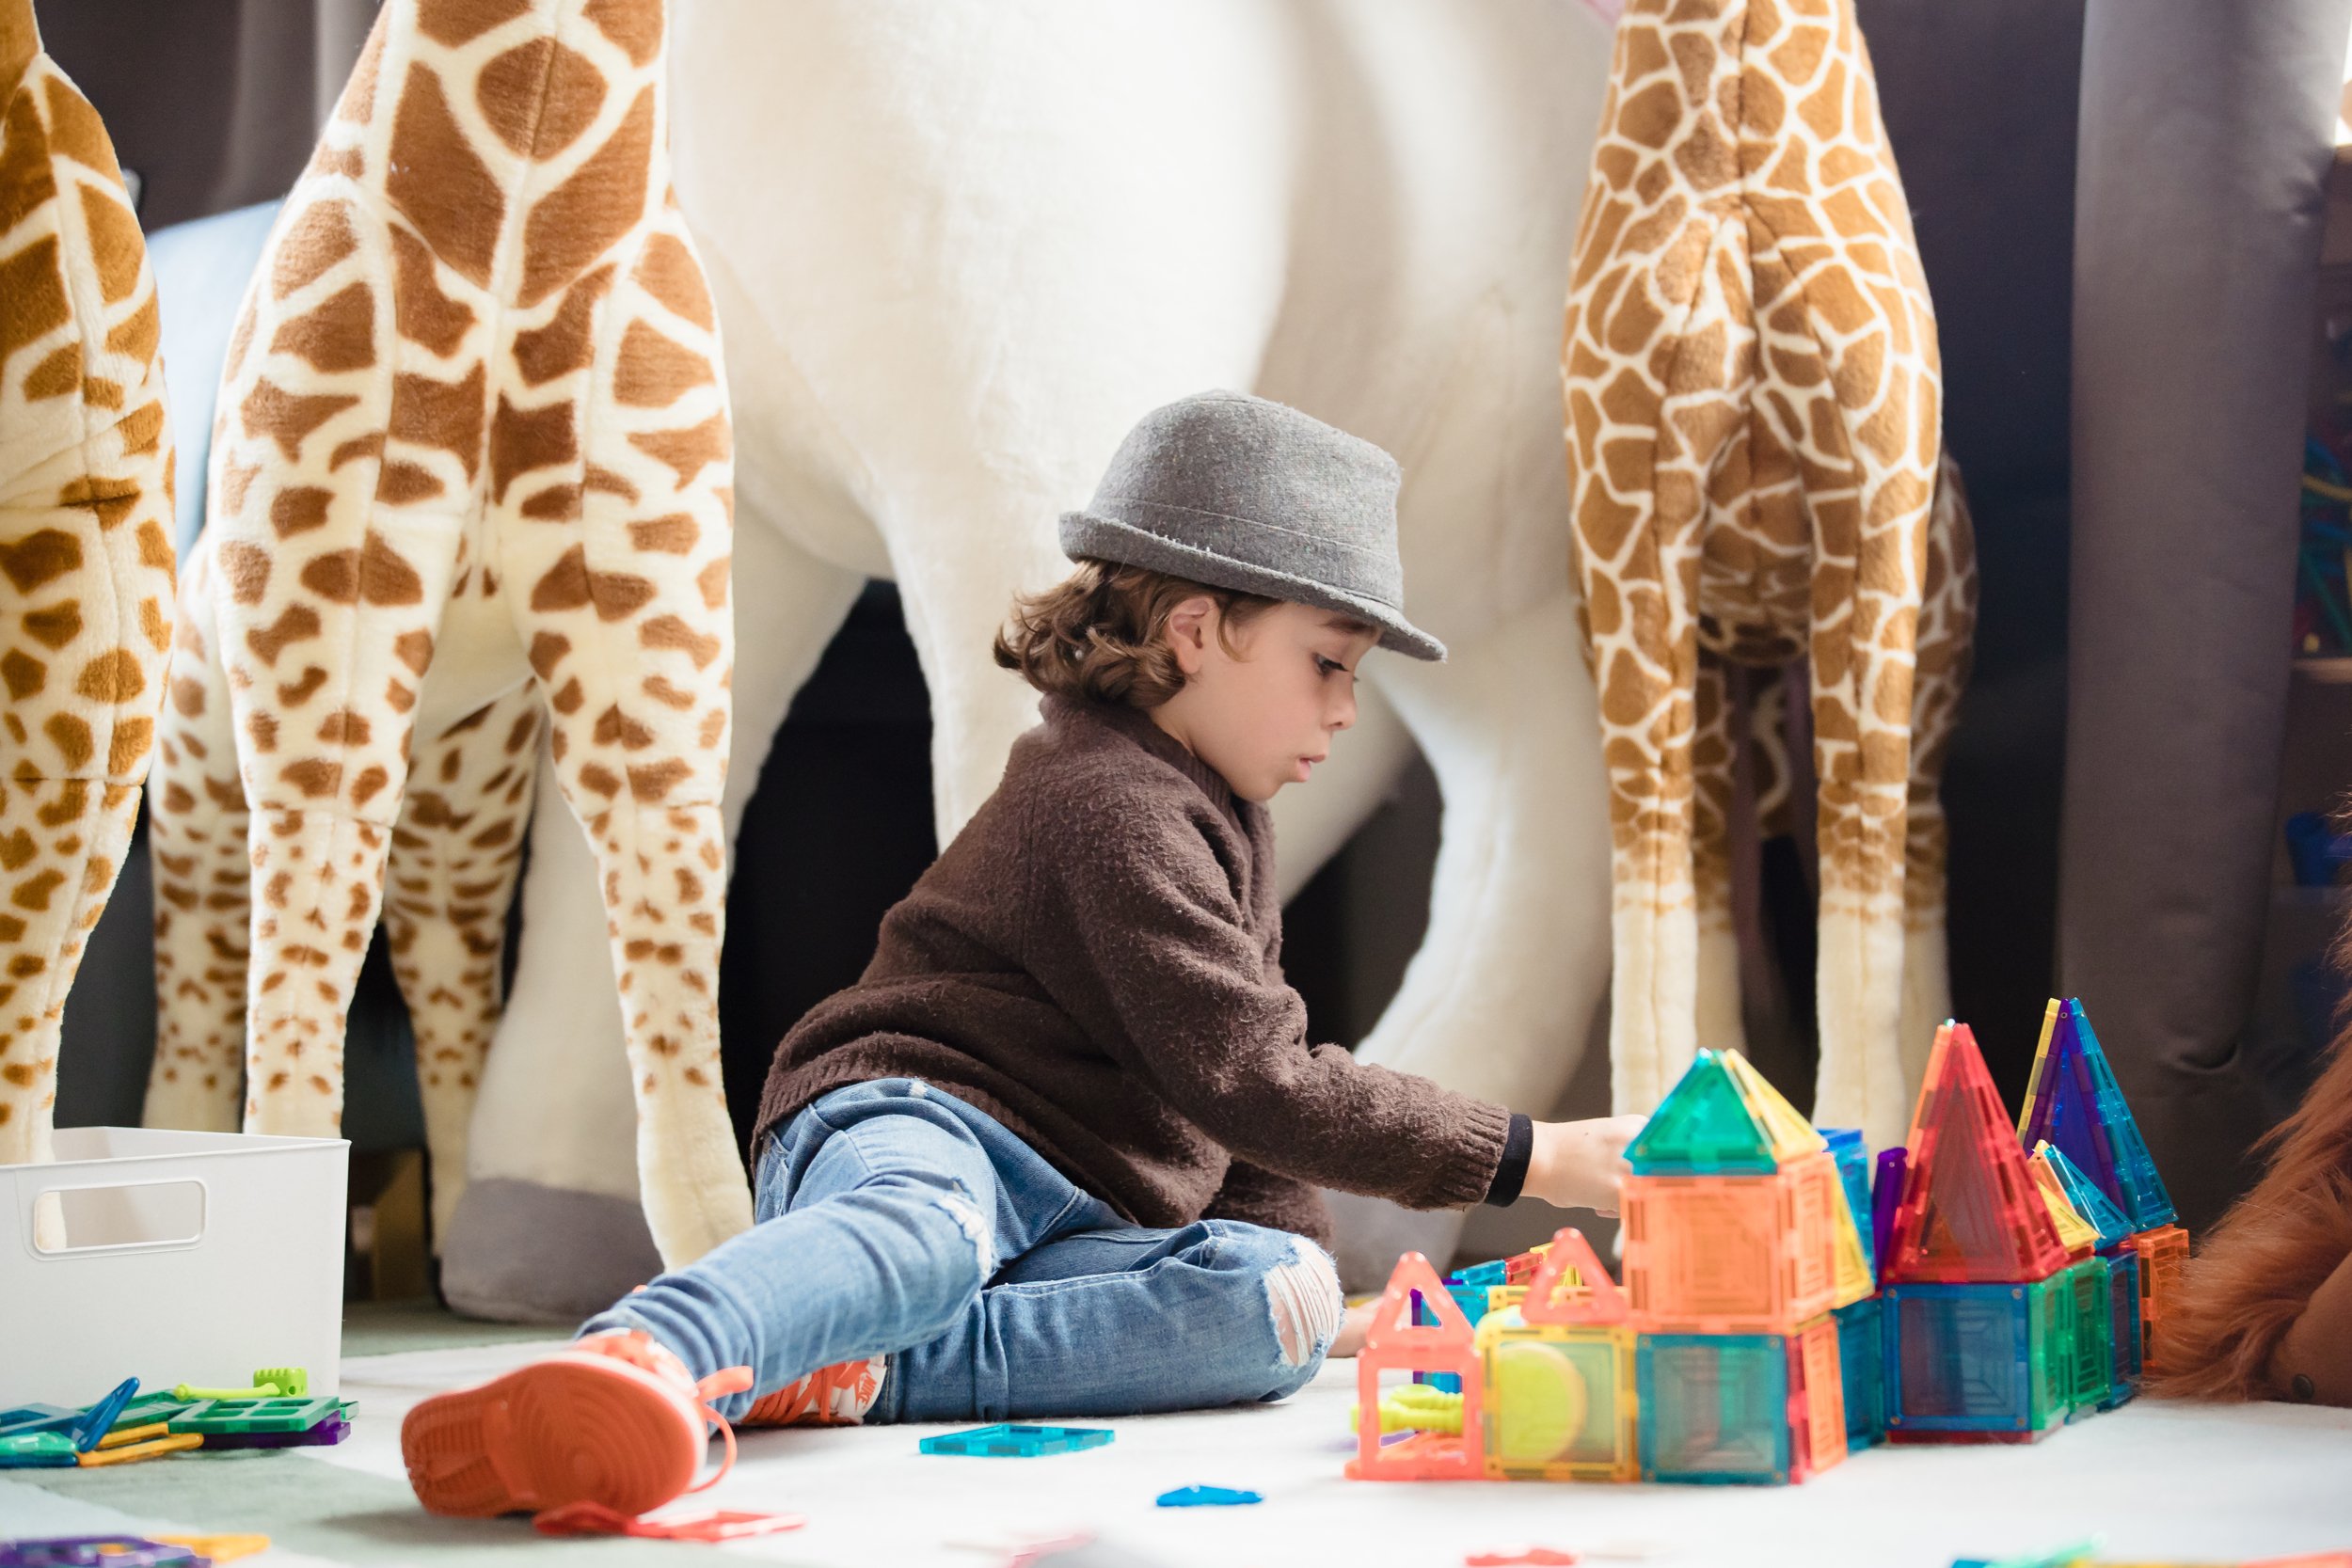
(2073, 1100)
(147, 1409)
(1970, 1211)
(1983, 1358)
(711, 1524)
(1861, 1367)
(237, 1416)
(37, 1417)
(122, 1437)
(96, 1551)
(2123, 1339)
(1721, 1118)
(33, 1450)
(292, 1383)
(1725, 1408)
(1007, 1440)
(2162, 1252)
(219, 1548)
(1733, 1254)
(1207, 1497)
(325, 1434)
(98, 1419)
(154, 1448)
(1395, 1343)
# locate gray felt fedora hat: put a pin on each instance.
(1238, 492)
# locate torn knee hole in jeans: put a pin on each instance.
(1303, 1295)
(975, 1228)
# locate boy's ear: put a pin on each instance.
(1189, 630)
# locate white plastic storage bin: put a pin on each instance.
(187, 1258)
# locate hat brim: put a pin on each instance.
(1092, 535)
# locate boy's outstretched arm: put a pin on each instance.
(1574, 1165)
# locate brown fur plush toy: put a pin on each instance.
(2266, 1307)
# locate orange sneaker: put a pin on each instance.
(615, 1420)
(834, 1396)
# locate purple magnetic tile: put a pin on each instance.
(1886, 1193)
(84, 1551)
(333, 1430)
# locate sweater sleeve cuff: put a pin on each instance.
(1518, 1144)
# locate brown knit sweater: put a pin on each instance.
(1095, 963)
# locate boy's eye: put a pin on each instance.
(1326, 665)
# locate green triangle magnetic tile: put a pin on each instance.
(1702, 1127)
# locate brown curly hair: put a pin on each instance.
(1098, 633)
(2260, 1265)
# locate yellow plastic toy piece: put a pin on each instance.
(2077, 1235)
(219, 1548)
(152, 1450)
(1854, 1282)
(187, 1394)
(1790, 1136)
(292, 1383)
(1538, 1399)
(1415, 1407)
(123, 1437)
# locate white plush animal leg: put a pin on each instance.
(1502, 992)
(957, 585)
(456, 850)
(196, 840)
(550, 1227)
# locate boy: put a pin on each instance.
(1057, 1150)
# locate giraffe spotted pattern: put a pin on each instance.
(85, 559)
(471, 474)
(1753, 394)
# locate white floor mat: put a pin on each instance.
(2159, 1484)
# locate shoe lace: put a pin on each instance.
(734, 1380)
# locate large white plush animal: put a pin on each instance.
(955, 254)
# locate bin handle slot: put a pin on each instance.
(103, 1218)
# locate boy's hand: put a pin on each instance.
(1574, 1165)
(1353, 1327)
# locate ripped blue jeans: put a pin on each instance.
(895, 1218)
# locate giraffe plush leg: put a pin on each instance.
(196, 842)
(1719, 1025)
(85, 559)
(618, 577)
(1861, 702)
(1946, 641)
(456, 852)
(67, 838)
(1644, 462)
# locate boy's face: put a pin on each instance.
(1264, 714)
